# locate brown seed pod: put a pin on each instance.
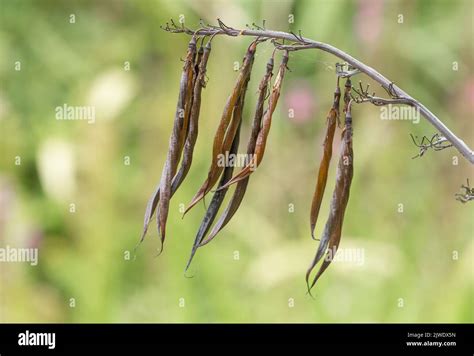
(179, 130)
(242, 185)
(347, 95)
(221, 145)
(191, 137)
(265, 130)
(332, 232)
(218, 196)
(332, 118)
(177, 138)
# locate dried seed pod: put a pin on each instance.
(177, 137)
(332, 232)
(188, 104)
(347, 95)
(217, 198)
(191, 137)
(178, 130)
(264, 131)
(242, 185)
(220, 142)
(332, 118)
(197, 62)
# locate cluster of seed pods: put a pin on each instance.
(226, 141)
(331, 235)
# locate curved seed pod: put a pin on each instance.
(191, 138)
(218, 145)
(264, 131)
(177, 137)
(216, 201)
(177, 129)
(332, 118)
(242, 185)
(235, 122)
(332, 232)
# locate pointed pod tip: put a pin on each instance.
(194, 201)
(162, 232)
(193, 252)
(190, 206)
(308, 287)
(160, 250)
(142, 237)
(162, 236)
(313, 226)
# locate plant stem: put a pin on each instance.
(306, 43)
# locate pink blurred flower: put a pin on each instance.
(462, 95)
(300, 102)
(368, 22)
(468, 92)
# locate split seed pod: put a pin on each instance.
(347, 95)
(192, 134)
(332, 119)
(222, 141)
(176, 140)
(332, 232)
(242, 185)
(264, 131)
(162, 193)
(199, 83)
(217, 198)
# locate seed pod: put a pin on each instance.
(197, 62)
(264, 131)
(177, 138)
(242, 185)
(191, 138)
(332, 232)
(217, 198)
(189, 102)
(347, 95)
(332, 118)
(219, 145)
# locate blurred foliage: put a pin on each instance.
(82, 253)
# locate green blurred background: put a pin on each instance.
(83, 275)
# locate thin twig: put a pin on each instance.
(468, 194)
(436, 142)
